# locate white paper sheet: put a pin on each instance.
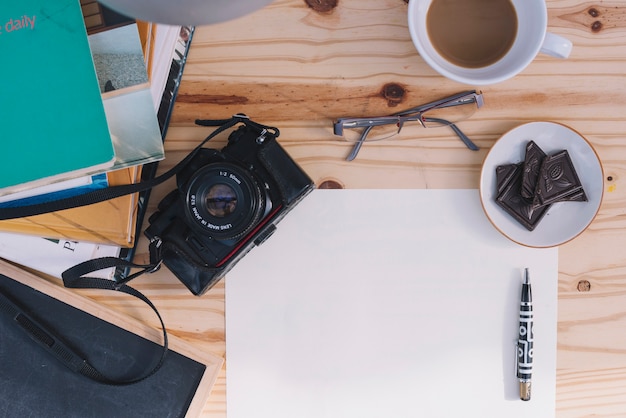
(387, 303)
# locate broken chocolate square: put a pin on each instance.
(520, 208)
(557, 179)
(532, 164)
(504, 173)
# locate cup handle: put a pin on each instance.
(556, 46)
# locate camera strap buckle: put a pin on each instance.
(156, 258)
(261, 138)
(156, 267)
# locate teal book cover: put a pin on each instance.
(53, 123)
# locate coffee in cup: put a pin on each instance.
(482, 42)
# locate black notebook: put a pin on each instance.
(35, 383)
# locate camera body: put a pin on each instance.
(226, 202)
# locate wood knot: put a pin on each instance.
(322, 6)
(393, 93)
(584, 286)
(593, 12)
(596, 26)
(330, 184)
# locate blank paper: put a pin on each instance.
(387, 303)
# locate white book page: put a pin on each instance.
(387, 303)
(54, 256)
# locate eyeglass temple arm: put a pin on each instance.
(450, 100)
(357, 145)
(468, 142)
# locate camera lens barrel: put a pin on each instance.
(224, 201)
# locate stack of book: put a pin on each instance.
(90, 96)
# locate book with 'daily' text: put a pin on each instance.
(54, 125)
(134, 132)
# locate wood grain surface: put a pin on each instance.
(299, 64)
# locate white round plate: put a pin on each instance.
(564, 220)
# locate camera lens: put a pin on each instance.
(221, 200)
(224, 201)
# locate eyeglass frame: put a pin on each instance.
(409, 115)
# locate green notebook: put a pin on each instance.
(52, 120)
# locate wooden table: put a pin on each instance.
(299, 64)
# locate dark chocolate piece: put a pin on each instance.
(520, 208)
(532, 164)
(557, 179)
(504, 173)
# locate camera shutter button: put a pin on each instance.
(265, 235)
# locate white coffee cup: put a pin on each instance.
(532, 37)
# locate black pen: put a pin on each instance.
(525, 340)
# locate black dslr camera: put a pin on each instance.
(226, 202)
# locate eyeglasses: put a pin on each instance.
(443, 112)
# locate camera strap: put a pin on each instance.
(54, 345)
(76, 277)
